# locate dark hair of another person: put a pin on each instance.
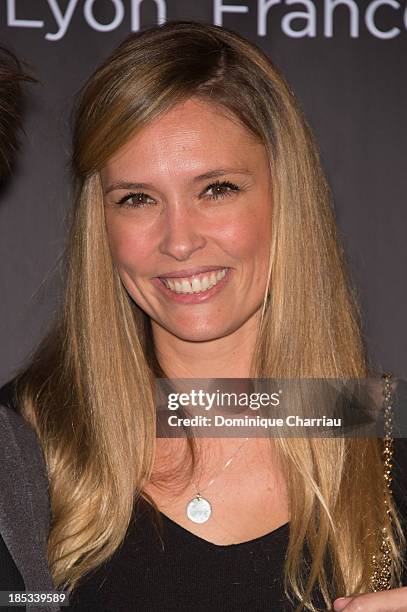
(11, 108)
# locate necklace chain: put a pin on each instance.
(226, 465)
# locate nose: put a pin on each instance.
(183, 234)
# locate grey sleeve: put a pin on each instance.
(25, 514)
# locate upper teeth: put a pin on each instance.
(195, 284)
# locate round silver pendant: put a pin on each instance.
(199, 510)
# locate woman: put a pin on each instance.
(193, 162)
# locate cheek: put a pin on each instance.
(128, 246)
(248, 235)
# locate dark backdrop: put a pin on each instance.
(346, 61)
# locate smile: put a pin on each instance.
(194, 289)
(195, 284)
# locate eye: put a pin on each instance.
(135, 200)
(221, 189)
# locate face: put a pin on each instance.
(188, 215)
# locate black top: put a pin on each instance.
(189, 573)
(10, 577)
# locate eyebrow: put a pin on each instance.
(201, 177)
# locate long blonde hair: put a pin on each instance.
(89, 389)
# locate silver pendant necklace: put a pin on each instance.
(199, 509)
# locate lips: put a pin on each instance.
(199, 288)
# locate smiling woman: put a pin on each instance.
(203, 245)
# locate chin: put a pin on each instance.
(196, 332)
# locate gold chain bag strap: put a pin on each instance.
(382, 562)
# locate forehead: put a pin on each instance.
(190, 136)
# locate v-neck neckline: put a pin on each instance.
(199, 540)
